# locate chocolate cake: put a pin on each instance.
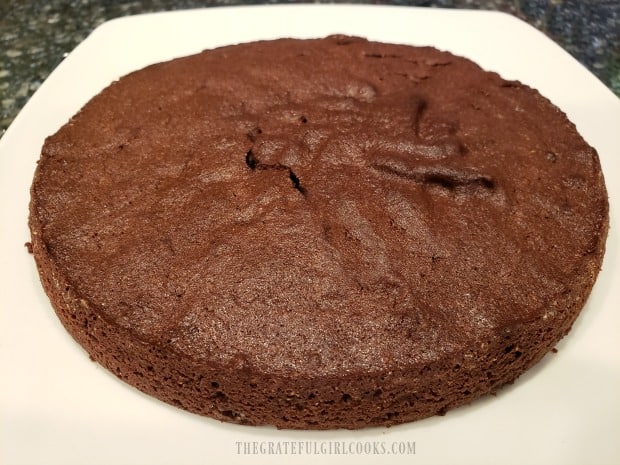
(318, 234)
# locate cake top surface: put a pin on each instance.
(330, 205)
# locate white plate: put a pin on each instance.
(57, 407)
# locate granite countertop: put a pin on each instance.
(35, 35)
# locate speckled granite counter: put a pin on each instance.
(35, 35)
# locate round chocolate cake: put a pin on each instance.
(329, 233)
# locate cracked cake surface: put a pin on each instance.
(329, 233)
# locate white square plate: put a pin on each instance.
(57, 407)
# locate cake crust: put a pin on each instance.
(329, 233)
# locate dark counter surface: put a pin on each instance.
(35, 35)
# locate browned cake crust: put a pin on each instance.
(318, 234)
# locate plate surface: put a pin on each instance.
(57, 407)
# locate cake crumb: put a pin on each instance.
(28, 246)
(554, 350)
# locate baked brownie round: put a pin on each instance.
(328, 233)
